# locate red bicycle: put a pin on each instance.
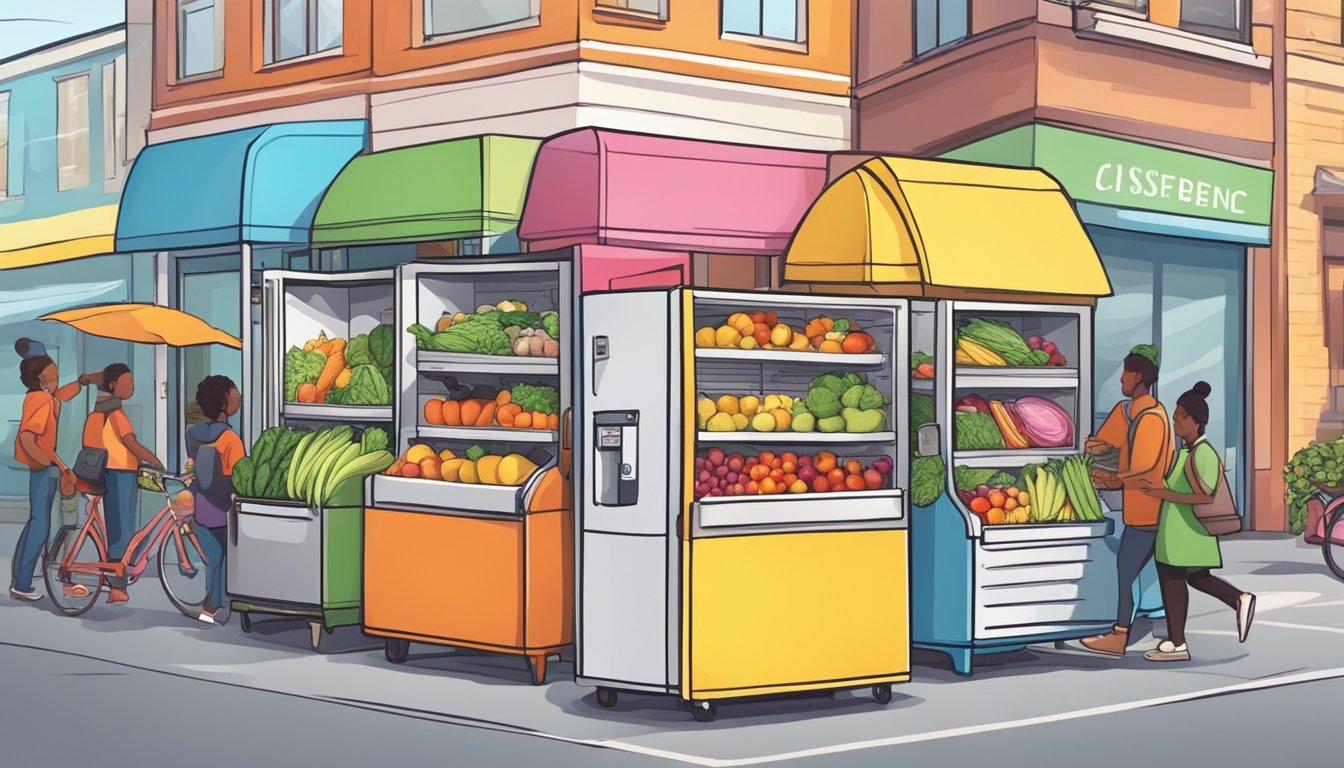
(76, 567)
(1327, 508)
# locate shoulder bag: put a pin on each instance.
(1219, 518)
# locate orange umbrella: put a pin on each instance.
(144, 324)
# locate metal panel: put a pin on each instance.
(275, 554)
(622, 631)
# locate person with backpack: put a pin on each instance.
(35, 447)
(1186, 548)
(1139, 430)
(109, 463)
(213, 448)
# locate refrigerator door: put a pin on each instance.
(275, 554)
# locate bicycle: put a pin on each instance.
(77, 554)
(1331, 531)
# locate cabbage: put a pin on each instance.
(1045, 423)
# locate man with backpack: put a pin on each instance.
(1139, 429)
(213, 448)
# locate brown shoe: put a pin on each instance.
(115, 595)
(1111, 644)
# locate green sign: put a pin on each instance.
(1125, 174)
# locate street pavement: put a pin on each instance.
(215, 696)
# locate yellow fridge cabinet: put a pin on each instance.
(725, 555)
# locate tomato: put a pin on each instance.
(837, 477)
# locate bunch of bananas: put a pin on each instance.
(970, 352)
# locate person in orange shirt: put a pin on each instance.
(1140, 430)
(35, 447)
(109, 428)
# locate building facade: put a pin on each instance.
(1158, 119)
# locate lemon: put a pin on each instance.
(740, 422)
(747, 342)
(727, 337)
(771, 402)
(721, 422)
(749, 405)
(763, 422)
(705, 410)
(704, 337)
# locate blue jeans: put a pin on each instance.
(43, 485)
(212, 546)
(119, 511)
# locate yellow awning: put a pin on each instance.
(946, 224)
(89, 232)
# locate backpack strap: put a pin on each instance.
(1133, 423)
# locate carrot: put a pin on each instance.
(452, 414)
(504, 397)
(487, 416)
(307, 393)
(434, 411)
(506, 414)
(523, 420)
(553, 423)
(332, 347)
(471, 411)
(335, 364)
(539, 420)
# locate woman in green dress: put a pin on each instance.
(1185, 550)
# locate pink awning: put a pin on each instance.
(604, 187)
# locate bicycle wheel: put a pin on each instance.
(1333, 546)
(182, 570)
(61, 582)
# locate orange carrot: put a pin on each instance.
(539, 420)
(553, 423)
(452, 413)
(506, 414)
(504, 397)
(335, 364)
(307, 393)
(487, 416)
(471, 411)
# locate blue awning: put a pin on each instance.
(255, 185)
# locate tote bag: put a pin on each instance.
(1219, 518)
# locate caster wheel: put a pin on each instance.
(882, 693)
(396, 650)
(704, 711)
(245, 621)
(606, 697)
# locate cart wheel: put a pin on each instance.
(245, 621)
(315, 632)
(882, 693)
(704, 711)
(606, 697)
(537, 666)
(396, 650)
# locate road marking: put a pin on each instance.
(1277, 601)
(1310, 627)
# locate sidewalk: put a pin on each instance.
(1297, 635)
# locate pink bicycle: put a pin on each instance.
(75, 566)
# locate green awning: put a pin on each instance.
(452, 189)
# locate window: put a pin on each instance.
(1226, 19)
(72, 132)
(772, 19)
(466, 17)
(297, 28)
(200, 42)
(939, 22)
(655, 8)
(4, 145)
(114, 117)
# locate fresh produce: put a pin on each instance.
(506, 328)
(550, 323)
(366, 386)
(921, 365)
(1000, 505)
(977, 432)
(968, 478)
(986, 342)
(1044, 423)
(262, 473)
(476, 466)
(302, 367)
(1075, 472)
(972, 404)
(927, 480)
(310, 466)
(971, 352)
(1053, 355)
(508, 408)
(921, 413)
(718, 473)
(536, 398)
(763, 330)
(328, 370)
(1012, 434)
(772, 413)
(1317, 466)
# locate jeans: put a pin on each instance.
(1137, 547)
(213, 547)
(119, 511)
(1177, 596)
(43, 485)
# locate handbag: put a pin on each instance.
(1219, 518)
(91, 467)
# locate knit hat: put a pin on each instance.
(1147, 351)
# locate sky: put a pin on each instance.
(29, 24)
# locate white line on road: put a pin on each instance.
(1311, 627)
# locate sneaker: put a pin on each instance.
(1245, 615)
(1111, 644)
(30, 596)
(1168, 651)
(115, 595)
(76, 590)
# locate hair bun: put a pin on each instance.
(1202, 388)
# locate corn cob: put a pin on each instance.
(981, 354)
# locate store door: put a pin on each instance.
(209, 287)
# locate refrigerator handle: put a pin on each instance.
(233, 523)
(567, 443)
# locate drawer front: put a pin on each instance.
(275, 558)
(1025, 591)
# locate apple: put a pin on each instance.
(731, 477)
(721, 470)
(807, 473)
(982, 491)
(739, 489)
(777, 474)
(716, 456)
(1034, 342)
(820, 484)
(798, 486)
(736, 463)
(753, 488)
(715, 491)
(1049, 348)
(804, 461)
(872, 479)
(836, 477)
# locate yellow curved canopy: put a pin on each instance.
(946, 224)
(144, 324)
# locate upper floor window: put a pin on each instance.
(940, 22)
(447, 18)
(200, 37)
(4, 145)
(297, 28)
(114, 118)
(72, 132)
(653, 8)
(1227, 19)
(784, 20)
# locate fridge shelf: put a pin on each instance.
(344, 413)
(800, 509)
(925, 386)
(489, 434)
(1016, 378)
(785, 356)
(394, 492)
(1044, 532)
(454, 362)
(796, 437)
(1009, 457)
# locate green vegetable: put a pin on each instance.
(928, 477)
(550, 322)
(823, 402)
(387, 376)
(475, 452)
(367, 387)
(357, 351)
(478, 335)
(977, 432)
(382, 345)
(242, 477)
(373, 440)
(863, 422)
(1028, 473)
(367, 464)
(841, 325)
(423, 336)
(1000, 338)
(968, 479)
(301, 368)
(921, 413)
(804, 422)
(263, 476)
(852, 379)
(529, 398)
(800, 408)
(1317, 464)
(918, 358)
(833, 381)
(863, 397)
(521, 319)
(831, 424)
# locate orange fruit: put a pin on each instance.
(997, 498)
(854, 482)
(1012, 491)
(980, 505)
(797, 486)
(853, 467)
(995, 517)
(824, 461)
